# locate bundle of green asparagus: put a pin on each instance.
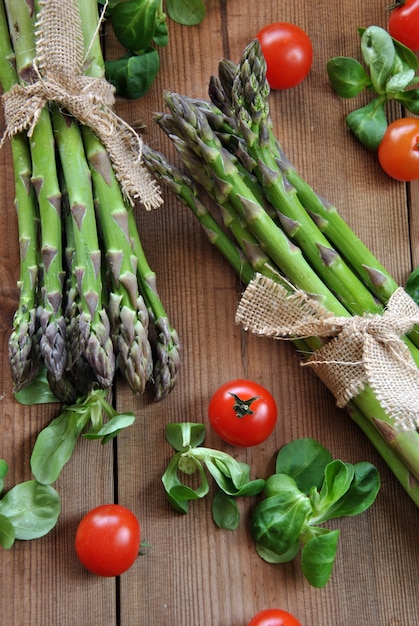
(88, 303)
(268, 222)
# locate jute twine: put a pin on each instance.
(58, 77)
(362, 350)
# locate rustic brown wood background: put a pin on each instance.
(196, 574)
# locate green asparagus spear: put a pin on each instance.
(45, 182)
(93, 324)
(24, 343)
(128, 314)
(164, 338)
(185, 190)
(24, 354)
(166, 342)
(78, 379)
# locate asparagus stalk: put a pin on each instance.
(128, 314)
(164, 338)
(78, 379)
(166, 343)
(186, 191)
(24, 343)
(24, 353)
(184, 188)
(93, 324)
(45, 182)
(326, 216)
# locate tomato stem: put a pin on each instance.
(395, 5)
(242, 407)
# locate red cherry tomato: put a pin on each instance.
(242, 413)
(108, 540)
(288, 53)
(274, 617)
(398, 152)
(403, 23)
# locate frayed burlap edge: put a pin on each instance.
(363, 350)
(58, 68)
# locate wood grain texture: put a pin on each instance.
(195, 574)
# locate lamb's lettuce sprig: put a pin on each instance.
(91, 417)
(308, 489)
(141, 26)
(232, 477)
(28, 510)
(388, 71)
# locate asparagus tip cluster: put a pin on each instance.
(83, 312)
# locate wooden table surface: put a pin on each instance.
(196, 574)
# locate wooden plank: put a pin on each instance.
(41, 581)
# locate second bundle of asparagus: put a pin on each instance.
(268, 222)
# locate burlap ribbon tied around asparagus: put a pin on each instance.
(363, 350)
(58, 77)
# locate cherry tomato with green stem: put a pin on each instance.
(108, 540)
(288, 52)
(403, 23)
(274, 617)
(398, 152)
(242, 413)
